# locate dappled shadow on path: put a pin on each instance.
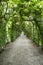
(21, 52)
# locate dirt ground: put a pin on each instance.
(21, 52)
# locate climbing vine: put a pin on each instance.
(21, 15)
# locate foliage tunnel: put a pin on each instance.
(21, 15)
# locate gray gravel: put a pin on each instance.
(21, 52)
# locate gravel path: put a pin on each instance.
(21, 52)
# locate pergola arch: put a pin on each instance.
(15, 13)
